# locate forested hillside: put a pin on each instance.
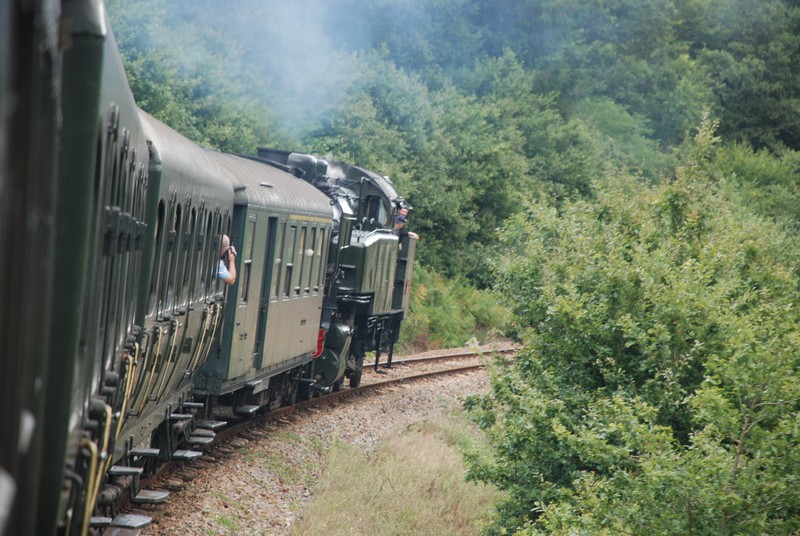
(625, 174)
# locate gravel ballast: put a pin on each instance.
(257, 484)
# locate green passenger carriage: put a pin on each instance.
(282, 226)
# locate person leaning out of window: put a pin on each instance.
(227, 262)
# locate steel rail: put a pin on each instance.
(445, 357)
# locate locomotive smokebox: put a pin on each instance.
(330, 366)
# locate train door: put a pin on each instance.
(266, 278)
(247, 298)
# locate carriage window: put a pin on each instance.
(278, 260)
(288, 250)
(288, 286)
(189, 259)
(304, 262)
(247, 259)
(174, 247)
(214, 246)
(154, 271)
(201, 259)
(320, 259)
(312, 259)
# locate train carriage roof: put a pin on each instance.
(260, 184)
(186, 164)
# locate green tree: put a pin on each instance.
(629, 52)
(624, 140)
(749, 51)
(768, 183)
(658, 390)
(560, 154)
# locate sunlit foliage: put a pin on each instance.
(659, 390)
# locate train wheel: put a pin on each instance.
(304, 392)
(288, 390)
(355, 376)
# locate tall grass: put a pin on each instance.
(412, 484)
(448, 312)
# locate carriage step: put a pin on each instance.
(99, 522)
(186, 455)
(246, 410)
(202, 432)
(151, 496)
(145, 452)
(210, 425)
(121, 470)
(119, 531)
(180, 416)
(129, 521)
(192, 405)
(199, 440)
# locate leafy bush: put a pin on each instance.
(769, 184)
(658, 392)
(447, 313)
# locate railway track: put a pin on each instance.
(399, 366)
(385, 375)
(445, 357)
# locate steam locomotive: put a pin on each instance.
(119, 345)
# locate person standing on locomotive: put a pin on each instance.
(400, 224)
(227, 261)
